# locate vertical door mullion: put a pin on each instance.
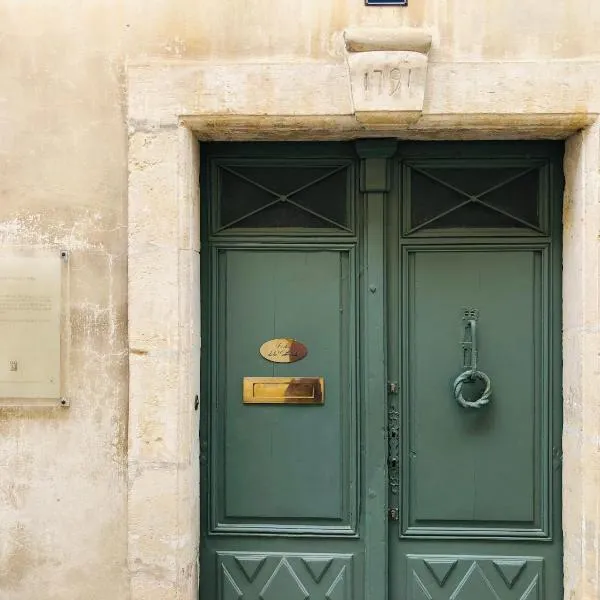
(374, 184)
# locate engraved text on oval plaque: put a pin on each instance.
(283, 350)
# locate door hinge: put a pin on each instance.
(392, 387)
(557, 458)
(203, 450)
(393, 514)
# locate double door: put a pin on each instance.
(381, 367)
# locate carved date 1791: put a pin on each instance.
(392, 81)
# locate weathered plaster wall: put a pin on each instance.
(581, 347)
(85, 86)
(466, 31)
(63, 179)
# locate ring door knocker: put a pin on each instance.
(471, 374)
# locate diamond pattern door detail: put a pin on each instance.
(480, 197)
(474, 578)
(283, 583)
(290, 577)
(302, 195)
(440, 568)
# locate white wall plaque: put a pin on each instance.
(30, 324)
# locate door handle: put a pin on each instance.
(471, 373)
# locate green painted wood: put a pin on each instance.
(268, 576)
(484, 181)
(295, 498)
(284, 466)
(485, 458)
(280, 503)
(475, 577)
(273, 156)
(375, 182)
(480, 488)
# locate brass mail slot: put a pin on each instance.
(283, 390)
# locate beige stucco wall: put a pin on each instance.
(98, 101)
(490, 30)
(581, 377)
(63, 184)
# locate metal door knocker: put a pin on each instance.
(471, 374)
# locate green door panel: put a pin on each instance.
(490, 462)
(286, 466)
(475, 578)
(269, 576)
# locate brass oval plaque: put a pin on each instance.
(283, 350)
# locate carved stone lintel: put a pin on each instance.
(388, 73)
(366, 39)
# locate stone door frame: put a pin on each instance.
(171, 106)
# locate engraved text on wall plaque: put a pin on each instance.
(30, 316)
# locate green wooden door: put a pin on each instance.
(320, 479)
(282, 475)
(475, 241)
